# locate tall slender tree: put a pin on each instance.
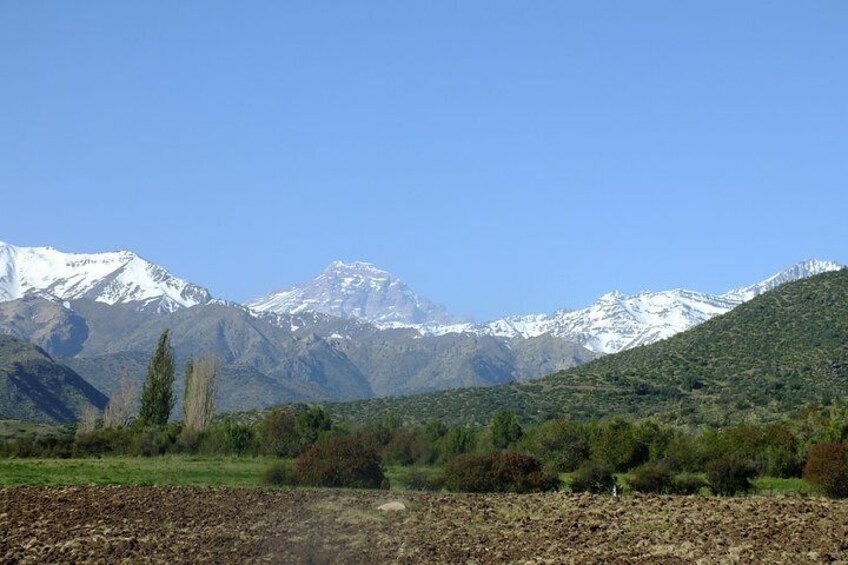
(201, 388)
(157, 396)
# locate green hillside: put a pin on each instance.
(35, 388)
(763, 360)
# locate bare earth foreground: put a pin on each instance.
(182, 524)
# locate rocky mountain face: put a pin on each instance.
(34, 387)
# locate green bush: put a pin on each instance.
(728, 476)
(827, 468)
(341, 462)
(417, 478)
(593, 477)
(687, 484)
(560, 445)
(280, 473)
(619, 445)
(500, 472)
(654, 477)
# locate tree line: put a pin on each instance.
(507, 454)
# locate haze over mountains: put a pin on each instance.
(355, 331)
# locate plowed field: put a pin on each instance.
(203, 525)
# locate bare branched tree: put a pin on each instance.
(201, 389)
(122, 406)
(88, 420)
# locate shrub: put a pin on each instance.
(687, 484)
(500, 472)
(617, 444)
(827, 468)
(729, 476)
(423, 479)
(561, 445)
(409, 447)
(279, 433)
(280, 473)
(655, 477)
(593, 477)
(340, 462)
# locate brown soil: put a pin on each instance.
(174, 525)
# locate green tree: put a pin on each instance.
(505, 429)
(157, 396)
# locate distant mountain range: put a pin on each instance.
(769, 359)
(353, 332)
(614, 323)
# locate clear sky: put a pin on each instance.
(501, 157)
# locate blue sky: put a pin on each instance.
(501, 157)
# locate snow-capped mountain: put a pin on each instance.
(357, 290)
(119, 277)
(617, 322)
(802, 270)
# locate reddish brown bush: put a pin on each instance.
(501, 472)
(827, 467)
(340, 462)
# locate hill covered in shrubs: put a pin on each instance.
(763, 361)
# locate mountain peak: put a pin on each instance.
(800, 270)
(112, 277)
(341, 265)
(358, 290)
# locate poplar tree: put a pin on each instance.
(201, 389)
(157, 396)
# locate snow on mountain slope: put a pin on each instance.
(617, 322)
(801, 270)
(112, 278)
(357, 290)
(614, 323)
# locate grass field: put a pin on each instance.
(139, 471)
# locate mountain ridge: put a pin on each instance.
(769, 358)
(110, 277)
(613, 323)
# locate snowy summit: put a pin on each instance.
(118, 277)
(357, 290)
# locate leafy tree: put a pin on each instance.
(729, 476)
(311, 423)
(560, 444)
(593, 477)
(505, 429)
(458, 441)
(617, 444)
(157, 396)
(340, 462)
(827, 468)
